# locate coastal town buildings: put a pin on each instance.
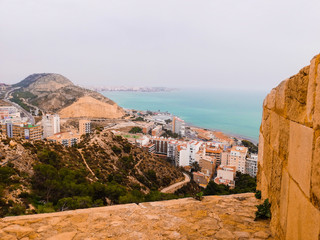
(207, 165)
(226, 175)
(84, 126)
(67, 139)
(156, 132)
(237, 158)
(178, 126)
(215, 152)
(9, 113)
(252, 165)
(147, 128)
(161, 145)
(28, 131)
(50, 124)
(201, 179)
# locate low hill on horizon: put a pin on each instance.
(53, 93)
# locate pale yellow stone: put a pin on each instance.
(315, 179)
(271, 99)
(303, 218)
(63, 236)
(316, 116)
(261, 148)
(224, 234)
(284, 196)
(311, 89)
(18, 230)
(300, 154)
(275, 130)
(280, 98)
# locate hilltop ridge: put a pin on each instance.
(53, 92)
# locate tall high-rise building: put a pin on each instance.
(178, 126)
(50, 124)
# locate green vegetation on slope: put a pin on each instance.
(244, 183)
(61, 181)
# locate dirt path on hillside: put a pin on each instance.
(85, 162)
(174, 187)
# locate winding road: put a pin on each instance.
(26, 113)
(174, 187)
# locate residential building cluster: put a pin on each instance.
(219, 158)
(15, 126)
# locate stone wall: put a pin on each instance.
(289, 154)
(215, 217)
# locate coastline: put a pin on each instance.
(207, 109)
(225, 133)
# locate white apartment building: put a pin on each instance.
(252, 165)
(226, 175)
(237, 158)
(186, 153)
(182, 156)
(50, 124)
(178, 126)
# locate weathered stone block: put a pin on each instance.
(312, 89)
(281, 97)
(296, 96)
(261, 147)
(270, 101)
(274, 131)
(284, 129)
(316, 115)
(266, 125)
(284, 196)
(300, 154)
(303, 218)
(315, 179)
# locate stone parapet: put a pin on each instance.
(216, 217)
(289, 155)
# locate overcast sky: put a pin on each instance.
(252, 44)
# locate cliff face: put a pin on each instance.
(289, 154)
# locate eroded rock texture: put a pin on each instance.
(216, 217)
(289, 154)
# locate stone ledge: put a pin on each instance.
(216, 217)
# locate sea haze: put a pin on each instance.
(233, 112)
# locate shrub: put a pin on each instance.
(263, 211)
(199, 196)
(116, 150)
(258, 194)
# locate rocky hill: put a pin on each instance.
(103, 169)
(53, 93)
(289, 155)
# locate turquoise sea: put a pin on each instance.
(234, 112)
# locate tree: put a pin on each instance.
(251, 146)
(195, 167)
(216, 189)
(135, 130)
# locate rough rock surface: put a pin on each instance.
(90, 107)
(216, 217)
(289, 154)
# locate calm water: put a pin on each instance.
(233, 112)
